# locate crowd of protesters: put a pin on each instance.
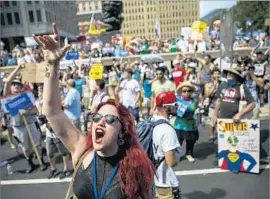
(119, 47)
(143, 89)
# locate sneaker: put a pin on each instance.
(64, 174)
(52, 173)
(190, 158)
(31, 169)
(43, 167)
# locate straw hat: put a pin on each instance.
(234, 69)
(186, 84)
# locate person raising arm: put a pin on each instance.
(69, 135)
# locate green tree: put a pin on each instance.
(257, 11)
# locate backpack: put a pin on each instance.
(145, 133)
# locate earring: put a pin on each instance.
(121, 135)
(120, 141)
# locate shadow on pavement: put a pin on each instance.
(204, 149)
(215, 193)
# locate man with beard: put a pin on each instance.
(162, 84)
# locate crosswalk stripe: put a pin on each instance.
(178, 173)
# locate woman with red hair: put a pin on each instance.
(109, 162)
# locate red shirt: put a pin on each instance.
(178, 75)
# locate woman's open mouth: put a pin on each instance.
(99, 135)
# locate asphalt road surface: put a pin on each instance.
(199, 180)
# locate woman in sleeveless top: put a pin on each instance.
(109, 161)
(186, 126)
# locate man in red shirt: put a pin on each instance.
(178, 73)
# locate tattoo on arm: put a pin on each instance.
(49, 72)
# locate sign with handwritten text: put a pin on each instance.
(96, 71)
(239, 145)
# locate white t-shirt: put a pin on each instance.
(164, 140)
(130, 88)
(182, 45)
(100, 98)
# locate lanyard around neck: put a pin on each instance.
(108, 182)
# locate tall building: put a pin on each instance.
(140, 17)
(21, 19)
(85, 10)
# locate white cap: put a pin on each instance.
(176, 61)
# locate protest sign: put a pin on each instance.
(182, 106)
(96, 71)
(199, 26)
(13, 103)
(72, 55)
(239, 145)
(33, 72)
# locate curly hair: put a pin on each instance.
(136, 171)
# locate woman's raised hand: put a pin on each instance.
(50, 46)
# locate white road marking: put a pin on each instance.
(178, 173)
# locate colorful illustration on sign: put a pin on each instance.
(238, 145)
(233, 159)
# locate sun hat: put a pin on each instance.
(186, 84)
(234, 69)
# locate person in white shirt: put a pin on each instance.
(182, 44)
(166, 144)
(130, 93)
(101, 95)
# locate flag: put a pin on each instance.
(93, 28)
(157, 28)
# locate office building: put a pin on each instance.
(140, 16)
(21, 19)
(85, 10)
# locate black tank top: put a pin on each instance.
(83, 182)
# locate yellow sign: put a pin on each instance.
(96, 71)
(93, 30)
(199, 26)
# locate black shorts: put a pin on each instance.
(52, 144)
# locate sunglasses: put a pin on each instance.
(109, 119)
(186, 91)
(159, 74)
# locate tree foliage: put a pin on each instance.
(256, 11)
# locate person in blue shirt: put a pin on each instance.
(12, 61)
(72, 104)
(146, 81)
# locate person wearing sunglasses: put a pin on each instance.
(109, 162)
(186, 126)
(162, 84)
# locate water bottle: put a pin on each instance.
(9, 169)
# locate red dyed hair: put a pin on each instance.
(136, 171)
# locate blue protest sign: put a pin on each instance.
(182, 106)
(72, 55)
(20, 102)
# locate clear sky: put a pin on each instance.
(207, 6)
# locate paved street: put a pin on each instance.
(200, 180)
